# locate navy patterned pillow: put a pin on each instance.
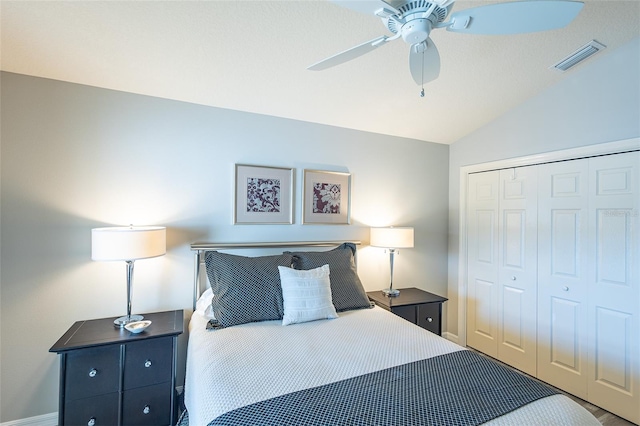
(245, 289)
(346, 288)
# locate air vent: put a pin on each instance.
(579, 55)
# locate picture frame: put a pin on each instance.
(326, 197)
(263, 195)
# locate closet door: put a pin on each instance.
(614, 284)
(554, 275)
(482, 258)
(517, 271)
(563, 217)
(502, 265)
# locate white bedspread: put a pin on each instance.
(240, 365)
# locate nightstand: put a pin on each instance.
(415, 305)
(110, 376)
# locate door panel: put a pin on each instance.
(612, 349)
(613, 230)
(565, 351)
(562, 268)
(565, 242)
(614, 284)
(485, 229)
(514, 229)
(485, 309)
(482, 270)
(517, 268)
(513, 307)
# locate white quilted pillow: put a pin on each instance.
(306, 295)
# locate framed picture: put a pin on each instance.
(263, 195)
(326, 198)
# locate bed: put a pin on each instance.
(348, 363)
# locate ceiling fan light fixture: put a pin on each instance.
(578, 56)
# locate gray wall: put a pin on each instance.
(77, 157)
(598, 102)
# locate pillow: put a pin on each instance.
(245, 289)
(203, 305)
(346, 288)
(306, 295)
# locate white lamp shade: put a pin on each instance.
(392, 237)
(128, 243)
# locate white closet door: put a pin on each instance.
(482, 268)
(562, 275)
(614, 284)
(517, 272)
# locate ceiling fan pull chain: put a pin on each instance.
(422, 91)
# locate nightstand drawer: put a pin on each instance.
(406, 312)
(429, 317)
(148, 362)
(150, 405)
(417, 306)
(103, 409)
(92, 372)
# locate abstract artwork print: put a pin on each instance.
(326, 198)
(263, 195)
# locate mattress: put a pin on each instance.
(233, 367)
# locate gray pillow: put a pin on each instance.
(245, 289)
(346, 288)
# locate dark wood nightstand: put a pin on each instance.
(414, 305)
(109, 376)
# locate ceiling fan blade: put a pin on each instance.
(424, 66)
(349, 54)
(370, 7)
(515, 17)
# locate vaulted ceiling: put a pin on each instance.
(252, 56)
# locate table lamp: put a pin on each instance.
(128, 244)
(392, 239)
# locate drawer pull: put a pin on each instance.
(146, 409)
(92, 373)
(91, 422)
(429, 319)
(147, 363)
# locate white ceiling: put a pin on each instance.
(252, 56)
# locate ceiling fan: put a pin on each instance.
(413, 20)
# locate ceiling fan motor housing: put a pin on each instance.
(416, 31)
(411, 21)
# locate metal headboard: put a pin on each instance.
(201, 247)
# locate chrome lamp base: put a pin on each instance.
(126, 319)
(391, 292)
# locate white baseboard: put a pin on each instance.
(451, 337)
(50, 419)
